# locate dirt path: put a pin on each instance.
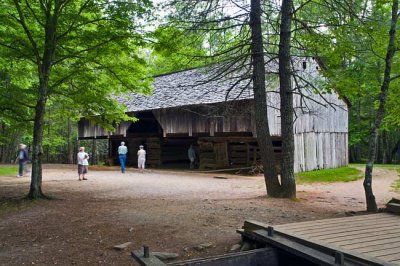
(350, 195)
(168, 211)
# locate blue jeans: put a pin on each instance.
(21, 168)
(122, 160)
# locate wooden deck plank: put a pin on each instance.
(361, 233)
(368, 239)
(344, 249)
(352, 258)
(384, 252)
(349, 231)
(335, 227)
(338, 221)
(370, 217)
(364, 244)
(390, 258)
(343, 223)
(375, 237)
(343, 239)
(334, 230)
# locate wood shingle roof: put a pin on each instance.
(190, 87)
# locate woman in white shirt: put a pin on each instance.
(82, 158)
(141, 158)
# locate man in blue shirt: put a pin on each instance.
(122, 151)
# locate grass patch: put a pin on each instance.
(342, 174)
(381, 166)
(8, 170)
(396, 186)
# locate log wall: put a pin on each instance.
(232, 152)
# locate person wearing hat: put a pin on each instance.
(83, 164)
(22, 158)
(141, 158)
(122, 151)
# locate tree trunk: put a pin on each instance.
(44, 69)
(35, 190)
(396, 152)
(391, 49)
(386, 153)
(260, 102)
(94, 152)
(70, 148)
(286, 94)
(354, 154)
(2, 145)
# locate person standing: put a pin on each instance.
(83, 163)
(141, 158)
(122, 151)
(22, 159)
(192, 156)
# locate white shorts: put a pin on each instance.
(140, 163)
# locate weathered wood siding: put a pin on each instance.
(321, 137)
(88, 129)
(237, 118)
(313, 114)
(320, 150)
(320, 127)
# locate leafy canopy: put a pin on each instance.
(95, 55)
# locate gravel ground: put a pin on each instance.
(173, 211)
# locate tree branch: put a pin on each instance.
(28, 33)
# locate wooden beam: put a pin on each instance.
(262, 256)
(393, 207)
(146, 259)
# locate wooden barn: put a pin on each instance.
(185, 110)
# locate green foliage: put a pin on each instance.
(199, 33)
(352, 41)
(76, 56)
(95, 56)
(8, 170)
(342, 174)
(174, 50)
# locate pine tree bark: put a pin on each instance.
(391, 49)
(286, 94)
(262, 127)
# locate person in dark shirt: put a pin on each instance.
(22, 158)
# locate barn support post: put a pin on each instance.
(94, 151)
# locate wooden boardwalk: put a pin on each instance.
(375, 236)
(363, 240)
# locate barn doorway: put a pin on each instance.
(147, 126)
(174, 152)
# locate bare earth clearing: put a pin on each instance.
(166, 210)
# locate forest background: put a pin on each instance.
(351, 41)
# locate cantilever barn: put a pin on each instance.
(190, 107)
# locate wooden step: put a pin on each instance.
(393, 207)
